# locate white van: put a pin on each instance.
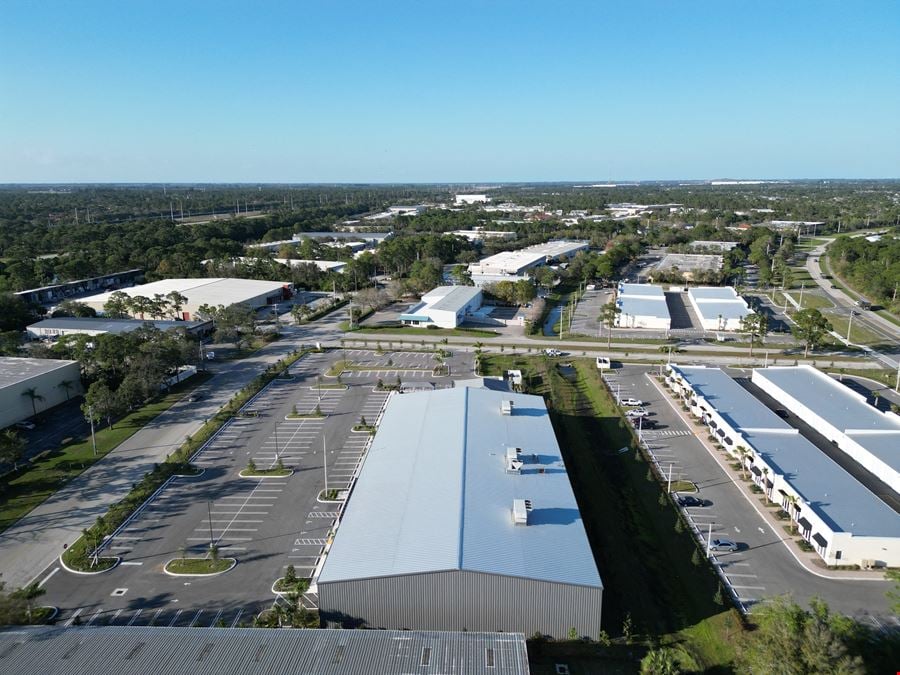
(603, 363)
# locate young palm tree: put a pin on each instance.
(793, 502)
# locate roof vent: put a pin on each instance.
(506, 407)
(520, 510)
(514, 460)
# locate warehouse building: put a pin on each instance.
(30, 386)
(56, 293)
(444, 306)
(718, 307)
(67, 325)
(642, 306)
(480, 234)
(136, 650)
(463, 518)
(840, 517)
(213, 292)
(514, 265)
(471, 199)
(868, 435)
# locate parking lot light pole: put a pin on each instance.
(209, 520)
(708, 539)
(669, 487)
(850, 324)
(325, 464)
(276, 443)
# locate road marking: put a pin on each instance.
(236, 618)
(135, 617)
(196, 616)
(95, 615)
(47, 578)
(749, 588)
(156, 616)
(130, 562)
(309, 542)
(215, 618)
(74, 616)
(175, 618)
(116, 615)
(734, 574)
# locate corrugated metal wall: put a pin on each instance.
(457, 600)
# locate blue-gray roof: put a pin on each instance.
(836, 496)
(643, 306)
(715, 301)
(842, 407)
(713, 292)
(648, 290)
(451, 298)
(111, 325)
(136, 650)
(434, 494)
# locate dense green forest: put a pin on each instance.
(871, 267)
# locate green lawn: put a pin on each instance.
(644, 562)
(34, 483)
(198, 565)
(810, 300)
(247, 473)
(859, 334)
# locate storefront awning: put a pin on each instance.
(820, 540)
(721, 432)
(755, 470)
(769, 483)
(804, 523)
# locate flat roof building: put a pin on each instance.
(688, 264)
(471, 199)
(868, 435)
(480, 235)
(444, 306)
(718, 307)
(213, 292)
(463, 517)
(642, 306)
(514, 265)
(55, 293)
(136, 650)
(51, 381)
(54, 328)
(840, 517)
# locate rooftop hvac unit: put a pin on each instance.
(520, 510)
(506, 407)
(514, 460)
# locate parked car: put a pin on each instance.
(782, 413)
(25, 425)
(193, 398)
(690, 500)
(631, 401)
(603, 363)
(637, 412)
(642, 422)
(552, 352)
(211, 356)
(723, 545)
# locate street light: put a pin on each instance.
(850, 324)
(91, 420)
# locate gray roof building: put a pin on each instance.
(97, 326)
(463, 517)
(137, 650)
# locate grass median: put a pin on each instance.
(33, 483)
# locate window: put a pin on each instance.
(489, 657)
(426, 656)
(837, 555)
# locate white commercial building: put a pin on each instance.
(514, 265)
(642, 306)
(841, 518)
(472, 199)
(463, 518)
(323, 265)
(868, 435)
(444, 306)
(718, 307)
(213, 292)
(29, 386)
(415, 210)
(60, 326)
(480, 235)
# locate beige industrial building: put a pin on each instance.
(213, 292)
(29, 386)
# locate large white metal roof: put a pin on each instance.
(434, 494)
(211, 291)
(14, 369)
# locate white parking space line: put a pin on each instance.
(134, 617)
(175, 618)
(94, 616)
(74, 616)
(748, 588)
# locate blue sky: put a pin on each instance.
(447, 91)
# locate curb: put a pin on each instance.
(287, 475)
(211, 574)
(118, 559)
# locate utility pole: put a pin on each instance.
(850, 324)
(209, 520)
(708, 539)
(276, 443)
(325, 464)
(802, 286)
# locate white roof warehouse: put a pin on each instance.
(463, 517)
(251, 292)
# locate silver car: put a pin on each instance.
(723, 545)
